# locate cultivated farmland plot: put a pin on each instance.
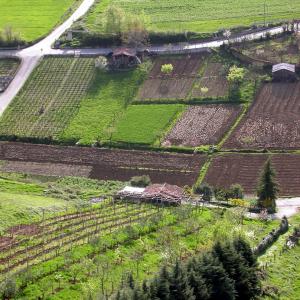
(32, 18)
(272, 121)
(56, 235)
(176, 85)
(214, 78)
(202, 125)
(244, 169)
(198, 16)
(49, 99)
(8, 69)
(180, 169)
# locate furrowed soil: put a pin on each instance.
(244, 169)
(180, 169)
(272, 122)
(202, 125)
(175, 85)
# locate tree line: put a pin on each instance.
(228, 271)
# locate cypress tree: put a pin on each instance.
(179, 285)
(267, 190)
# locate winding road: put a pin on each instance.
(31, 55)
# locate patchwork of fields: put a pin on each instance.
(106, 164)
(33, 19)
(198, 16)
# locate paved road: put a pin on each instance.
(31, 56)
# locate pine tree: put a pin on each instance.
(179, 285)
(163, 288)
(267, 188)
(219, 284)
(243, 248)
(237, 268)
(198, 285)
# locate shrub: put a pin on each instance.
(205, 190)
(236, 191)
(140, 181)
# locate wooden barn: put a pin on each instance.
(284, 72)
(123, 58)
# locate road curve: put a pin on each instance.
(31, 56)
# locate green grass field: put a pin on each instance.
(145, 123)
(199, 16)
(105, 102)
(33, 18)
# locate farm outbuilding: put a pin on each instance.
(284, 72)
(123, 58)
(155, 193)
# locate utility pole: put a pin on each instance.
(265, 11)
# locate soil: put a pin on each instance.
(244, 169)
(176, 85)
(173, 168)
(27, 230)
(202, 125)
(272, 121)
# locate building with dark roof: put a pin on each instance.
(284, 72)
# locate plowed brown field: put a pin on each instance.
(202, 125)
(273, 120)
(176, 85)
(180, 169)
(244, 169)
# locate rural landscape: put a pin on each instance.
(149, 150)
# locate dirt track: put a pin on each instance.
(180, 169)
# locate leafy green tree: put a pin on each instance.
(267, 190)
(205, 190)
(167, 69)
(235, 77)
(114, 20)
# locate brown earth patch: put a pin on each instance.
(28, 230)
(173, 168)
(245, 169)
(273, 120)
(202, 125)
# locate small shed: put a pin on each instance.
(155, 193)
(284, 72)
(123, 58)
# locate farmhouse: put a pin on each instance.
(123, 58)
(284, 72)
(155, 193)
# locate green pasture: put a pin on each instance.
(199, 16)
(145, 123)
(32, 19)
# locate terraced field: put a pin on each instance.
(33, 18)
(198, 16)
(244, 169)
